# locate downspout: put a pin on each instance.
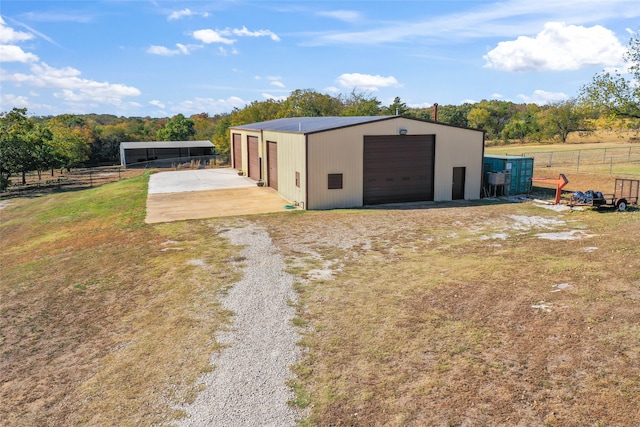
(306, 171)
(482, 168)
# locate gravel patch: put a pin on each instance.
(248, 384)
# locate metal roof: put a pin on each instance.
(165, 144)
(506, 156)
(306, 125)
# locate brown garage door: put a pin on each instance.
(272, 164)
(237, 151)
(398, 168)
(253, 159)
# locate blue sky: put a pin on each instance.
(161, 58)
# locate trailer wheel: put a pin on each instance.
(621, 205)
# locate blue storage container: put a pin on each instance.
(518, 169)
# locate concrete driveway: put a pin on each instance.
(207, 193)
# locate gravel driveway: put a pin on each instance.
(247, 386)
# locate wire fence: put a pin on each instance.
(88, 177)
(63, 179)
(193, 162)
(611, 161)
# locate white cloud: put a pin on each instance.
(506, 18)
(366, 81)
(224, 52)
(221, 36)
(181, 49)
(73, 88)
(331, 89)
(497, 96)
(9, 53)
(162, 51)
(419, 105)
(542, 97)
(14, 100)
(342, 15)
(9, 35)
(156, 103)
(211, 36)
(558, 47)
(260, 33)
(273, 80)
(179, 14)
(274, 97)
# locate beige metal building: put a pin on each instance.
(343, 162)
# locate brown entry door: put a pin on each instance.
(253, 158)
(237, 151)
(272, 164)
(457, 187)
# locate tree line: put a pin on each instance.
(42, 143)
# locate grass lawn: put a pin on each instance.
(467, 313)
(484, 314)
(103, 319)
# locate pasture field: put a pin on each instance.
(463, 313)
(104, 320)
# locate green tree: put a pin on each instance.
(562, 118)
(454, 114)
(178, 128)
(396, 108)
(221, 135)
(257, 111)
(523, 125)
(360, 104)
(204, 125)
(72, 139)
(309, 103)
(611, 94)
(491, 116)
(24, 146)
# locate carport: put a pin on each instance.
(207, 193)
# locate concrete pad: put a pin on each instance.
(197, 180)
(168, 207)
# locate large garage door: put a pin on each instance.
(253, 159)
(272, 164)
(237, 151)
(398, 168)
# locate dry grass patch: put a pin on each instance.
(429, 321)
(104, 320)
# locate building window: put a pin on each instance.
(335, 181)
(298, 179)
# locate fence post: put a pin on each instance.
(91, 179)
(550, 157)
(611, 166)
(604, 157)
(578, 166)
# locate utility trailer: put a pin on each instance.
(625, 193)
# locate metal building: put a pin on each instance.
(163, 153)
(343, 162)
